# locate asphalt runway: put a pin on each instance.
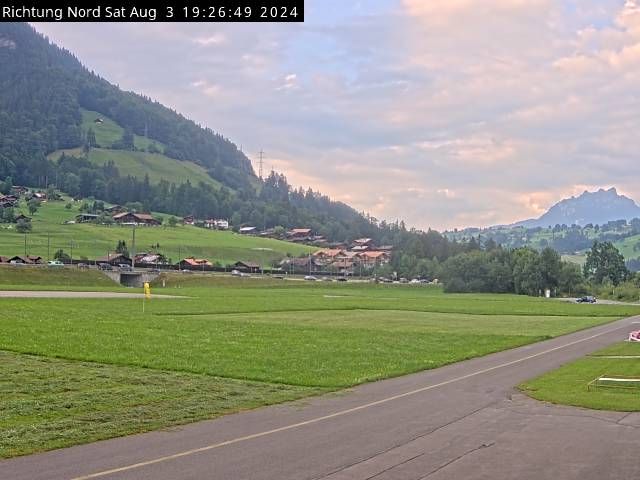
(463, 421)
(63, 294)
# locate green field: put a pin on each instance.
(108, 132)
(138, 164)
(568, 384)
(135, 163)
(50, 234)
(305, 337)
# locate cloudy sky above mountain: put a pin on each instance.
(446, 114)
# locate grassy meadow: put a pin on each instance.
(93, 241)
(568, 384)
(270, 340)
(135, 163)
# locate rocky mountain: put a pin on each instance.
(597, 208)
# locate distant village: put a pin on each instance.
(361, 256)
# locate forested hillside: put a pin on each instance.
(43, 87)
(47, 101)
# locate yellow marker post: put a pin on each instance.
(147, 294)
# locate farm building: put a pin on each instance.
(86, 218)
(246, 267)
(135, 219)
(192, 263)
(114, 259)
(248, 230)
(299, 233)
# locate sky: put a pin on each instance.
(444, 114)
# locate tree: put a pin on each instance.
(172, 221)
(605, 263)
(90, 140)
(62, 256)
(23, 226)
(6, 186)
(122, 248)
(33, 206)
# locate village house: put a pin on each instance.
(189, 220)
(86, 218)
(374, 258)
(328, 255)
(22, 259)
(114, 258)
(248, 231)
(249, 267)
(299, 234)
(115, 209)
(343, 266)
(150, 259)
(363, 242)
(218, 224)
(128, 218)
(192, 263)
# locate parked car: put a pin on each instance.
(55, 264)
(83, 266)
(105, 266)
(310, 278)
(125, 267)
(236, 273)
(341, 279)
(587, 299)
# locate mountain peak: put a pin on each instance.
(598, 207)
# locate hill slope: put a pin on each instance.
(43, 90)
(591, 207)
(90, 240)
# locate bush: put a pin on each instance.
(23, 226)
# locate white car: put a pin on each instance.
(310, 278)
(55, 263)
(236, 273)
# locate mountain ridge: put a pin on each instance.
(597, 208)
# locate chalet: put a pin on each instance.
(189, 220)
(299, 234)
(301, 264)
(246, 267)
(192, 263)
(128, 218)
(374, 258)
(343, 266)
(362, 242)
(150, 259)
(114, 259)
(22, 259)
(214, 224)
(86, 218)
(8, 201)
(328, 255)
(248, 230)
(115, 209)
(18, 190)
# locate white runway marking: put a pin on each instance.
(337, 414)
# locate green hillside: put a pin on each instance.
(139, 164)
(108, 132)
(92, 241)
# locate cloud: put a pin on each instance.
(445, 114)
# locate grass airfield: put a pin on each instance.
(79, 370)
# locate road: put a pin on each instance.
(64, 294)
(463, 421)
